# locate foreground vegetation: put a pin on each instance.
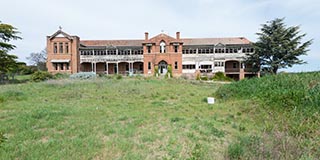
(142, 118)
(287, 108)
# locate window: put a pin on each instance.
(60, 47)
(189, 66)
(141, 67)
(55, 48)
(206, 66)
(218, 64)
(67, 47)
(175, 49)
(127, 67)
(149, 65)
(55, 65)
(235, 65)
(61, 66)
(175, 65)
(162, 47)
(67, 66)
(149, 49)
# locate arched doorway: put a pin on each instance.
(163, 67)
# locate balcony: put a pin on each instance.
(232, 69)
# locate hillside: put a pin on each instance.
(143, 118)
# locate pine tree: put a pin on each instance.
(7, 61)
(278, 46)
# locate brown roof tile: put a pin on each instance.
(112, 42)
(208, 41)
(186, 41)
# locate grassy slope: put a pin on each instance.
(111, 119)
(288, 113)
(149, 119)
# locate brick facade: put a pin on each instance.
(69, 54)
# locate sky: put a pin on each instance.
(129, 19)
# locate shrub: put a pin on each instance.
(219, 76)
(198, 76)
(204, 78)
(169, 73)
(156, 71)
(83, 75)
(60, 76)
(119, 76)
(41, 76)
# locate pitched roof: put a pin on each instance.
(112, 42)
(62, 33)
(215, 41)
(186, 41)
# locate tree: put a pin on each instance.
(7, 61)
(278, 46)
(38, 59)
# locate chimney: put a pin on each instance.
(178, 35)
(146, 36)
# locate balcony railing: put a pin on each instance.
(232, 70)
(91, 58)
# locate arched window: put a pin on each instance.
(162, 47)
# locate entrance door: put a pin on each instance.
(163, 67)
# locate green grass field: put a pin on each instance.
(134, 118)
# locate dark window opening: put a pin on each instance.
(189, 66)
(149, 65)
(55, 48)
(235, 65)
(175, 49)
(60, 47)
(149, 49)
(67, 47)
(176, 65)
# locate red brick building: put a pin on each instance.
(186, 56)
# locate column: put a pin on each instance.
(117, 67)
(95, 67)
(107, 68)
(91, 66)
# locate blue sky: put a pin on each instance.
(125, 19)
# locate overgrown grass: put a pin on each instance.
(148, 118)
(128, 118)
(288, 113)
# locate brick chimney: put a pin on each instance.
(146, 36)
(178, 35)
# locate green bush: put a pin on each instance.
(219, 76)
(169, 73)
(41, 76)
(119, 76)
(204, 78)
(61, 76)
(156, 70)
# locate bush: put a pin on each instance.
(41, 76)
(119, 76)
(60, 76)
(83, 75)
(156, 71)
(169, 73)
(219, 76)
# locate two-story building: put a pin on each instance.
(186, 56)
